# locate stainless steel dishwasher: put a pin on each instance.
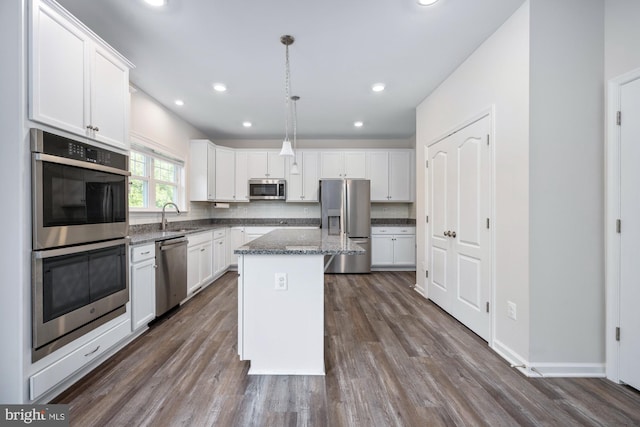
(171, 273)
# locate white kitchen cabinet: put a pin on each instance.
(303, 187)
(343, 164)
(393, 247)
(143, 285)
(199, 261)
(77, 82)
(219, 252)
(225, 174)
(265, 164)
(242, 177)
(235, 239)
(202, 171)
(391, 175)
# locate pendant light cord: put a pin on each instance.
(287, 83)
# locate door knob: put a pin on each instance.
(447, 233)
(453, 234)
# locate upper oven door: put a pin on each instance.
(77, 202)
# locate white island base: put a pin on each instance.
(281, 324)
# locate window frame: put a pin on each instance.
(151, 156)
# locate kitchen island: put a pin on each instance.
(281, 300)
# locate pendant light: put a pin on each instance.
(294, 167)
(286, 40)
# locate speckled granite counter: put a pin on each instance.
(300, 242)
(141, 238)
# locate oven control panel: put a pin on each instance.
(60, 146)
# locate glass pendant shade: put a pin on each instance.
(294, 169)
(286, 148)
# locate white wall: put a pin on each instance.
(16, 214)
(161, 129)
(567, 181)
(496, 74)
(622, 37)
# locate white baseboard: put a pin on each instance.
(568, 370)
(419, 290)
(517, 361)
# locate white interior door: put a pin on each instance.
(460, 241)
(630, 234)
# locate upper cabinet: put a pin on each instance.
(242, 177)
(391, 175)
(77, 82)
(343, 164)
(303, 187)
(225, 174)
(202, 171)
(265, 164)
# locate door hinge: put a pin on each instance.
(488, 222)
(426, 164)
(618, 226)
(487, 306)
(488, 138)
(618, 334)
(619, 118)
(427, 219)
(427, 272)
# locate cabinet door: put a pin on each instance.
(399, 176)
(143, 293)
(219, 256)
(193, 269)
(225, 174)
(310, 160)
(275, 165)
(242, 178)
(295, 183)
(211, 172)
(206, 263)
(59, 72)
(404, 250)
(355, 165)
(381, 250)
(235, 240)
(379, 175)
(331, 165)
(109, 99)
(202, 177)
(257, 164)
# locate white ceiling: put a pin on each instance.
(342, 47)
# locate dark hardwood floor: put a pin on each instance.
(392, 358)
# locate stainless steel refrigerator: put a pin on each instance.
(345, 205)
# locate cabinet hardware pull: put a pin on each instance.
(96, 128)
(145, 253)
(91, 352)
(90, 127)
(202, 250)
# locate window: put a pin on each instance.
(155, 180)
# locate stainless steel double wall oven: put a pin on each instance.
(80, 244)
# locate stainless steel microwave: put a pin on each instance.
(267, 189)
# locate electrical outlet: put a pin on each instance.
(281, 282)
(511, 310)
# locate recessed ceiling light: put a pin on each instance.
(219, 87)
(156, 3)
(377, 87)
(179, 102)
(247, 124)
(358, 124)
(426, 2)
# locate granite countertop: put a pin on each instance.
(300, 242)
(154, 236)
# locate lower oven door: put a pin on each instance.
(74, 287)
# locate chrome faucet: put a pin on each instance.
(164, 219)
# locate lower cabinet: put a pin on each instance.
(393, 247)
(235, 239)
(219, 252)
(143, 285)
(199, 261)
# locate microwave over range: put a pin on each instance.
(267, 189)
(80, 218)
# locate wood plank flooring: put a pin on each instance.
(392, 358)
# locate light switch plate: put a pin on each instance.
(281, 282)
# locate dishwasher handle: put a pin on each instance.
(166, 245)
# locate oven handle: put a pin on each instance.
(77, 163)
(48, 253)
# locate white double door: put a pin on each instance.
(458, 235)
(629, 321)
